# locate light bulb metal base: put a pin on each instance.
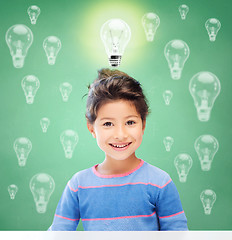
(182, 178)
(41, 207)
(22, 162)
(12, 196)
(18, 61)
(115, 60)
(207, 210)
(168, 148)
(212, 37)
(51, 60)
(33, 19)
(44, 129)
(176, 73)
(29, 99)
(65, 98)
(68, 154)
(205, 165)
(183, 16)
(203, 114)
(150, 37)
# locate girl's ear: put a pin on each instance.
(144, 125)
(91, 129)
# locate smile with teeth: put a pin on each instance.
(120, 145)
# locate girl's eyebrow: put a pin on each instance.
(106, 118)
(109, 118)
(136, 116)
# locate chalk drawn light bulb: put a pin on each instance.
(183, 163)
(150, 22)
(204, 88)
(44, 123)
(52, 46)
(115, 35)
(33, 12)
(183, 9)
(30, 85)
(12, 189)
(69, 140)
(22, 147)
(208, 198)
(206, 147)
(167, 95)
(65, 90)
(168, 142)
(212, 26)
(176, 53)
(19, 39)
(42, 186)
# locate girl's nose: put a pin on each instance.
(120, 133)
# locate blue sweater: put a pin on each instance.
(144, 199)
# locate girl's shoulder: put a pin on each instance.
(156, 175)
(85, 173)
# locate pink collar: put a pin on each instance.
(116, 175)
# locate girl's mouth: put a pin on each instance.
(120, 146)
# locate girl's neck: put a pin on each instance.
(111, 167)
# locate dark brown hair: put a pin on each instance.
(115, 85)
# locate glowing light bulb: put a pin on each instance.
(212, 26)
(65, 89)
(69, 140)
(115, 35)
(12, 189)
(19, 39)
(150, 22)
(206, 147)
(183, 163)
(52, 46)
(42, 186)
(183, 9)
(30, 85)
(176, 53)
(168, 141)
(208, 198)
(22, 147)
(44, 122)
(33, 12)
(204, 88)
(167, 95)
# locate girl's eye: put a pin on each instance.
(108, 124)
(130, 122)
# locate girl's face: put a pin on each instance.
(118, 130)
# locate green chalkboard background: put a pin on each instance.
(77, 24)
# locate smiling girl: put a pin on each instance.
(123, 192)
